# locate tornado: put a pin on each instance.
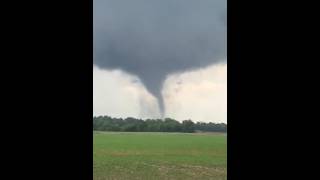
(152, 39)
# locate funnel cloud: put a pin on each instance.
(152, 39)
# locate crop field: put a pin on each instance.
(155, 156)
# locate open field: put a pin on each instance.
(126, 156)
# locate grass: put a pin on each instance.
(138, 156)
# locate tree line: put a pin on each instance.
(106, 123)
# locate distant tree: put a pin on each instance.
(171, 125)
(130, 124)
(188, 126)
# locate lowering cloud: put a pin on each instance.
(155, 38)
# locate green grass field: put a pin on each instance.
(152, 156)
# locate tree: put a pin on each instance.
(106, 123)
(188, 126)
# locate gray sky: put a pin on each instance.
(142, 47)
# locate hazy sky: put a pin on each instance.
(200, 95)
(156, 58)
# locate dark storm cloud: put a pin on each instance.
(153, 38)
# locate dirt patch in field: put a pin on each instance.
(185, 171)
